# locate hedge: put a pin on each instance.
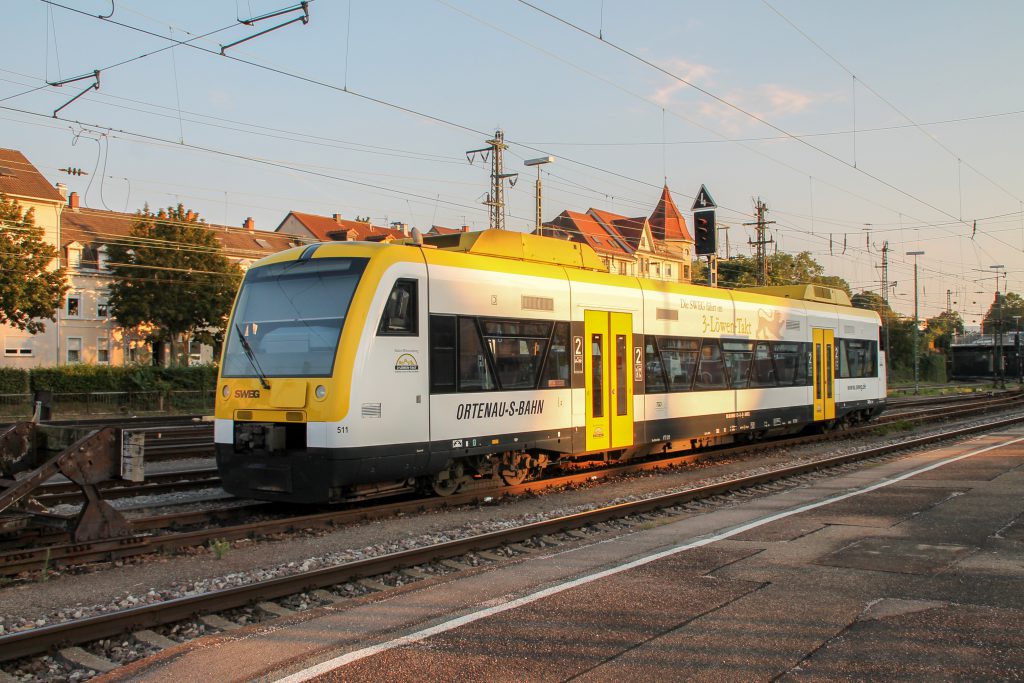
(13, 381)
(73, 379)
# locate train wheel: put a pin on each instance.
(446, 482)
(514, 477)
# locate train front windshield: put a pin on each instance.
(288, 318)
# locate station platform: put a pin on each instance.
(909, 570)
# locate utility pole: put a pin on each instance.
(917, 330)
(761, 242)
(885, 297)
(496, 197)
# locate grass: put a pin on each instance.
(893, 427)
(220, 547)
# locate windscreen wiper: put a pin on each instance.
(252, 358)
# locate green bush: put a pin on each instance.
(15, 381)
(74, 379)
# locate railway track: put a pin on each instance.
(490, 546)
(175, 531)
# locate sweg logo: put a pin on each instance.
(247, 393)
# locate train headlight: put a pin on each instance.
(320, 392)
(224, 391)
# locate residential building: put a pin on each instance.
(85, 331)
(659, 246)
(334, 228)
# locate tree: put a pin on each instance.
(1001, 314)
(170, 275)
(29, 290)
(783, 269)
(941, 329)
(874, 302)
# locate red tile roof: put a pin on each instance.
(330, 228)
(583, 227)
(666, 221)
(19, 178)
(95, 227)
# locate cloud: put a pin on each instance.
(783, 100)
(693, 73)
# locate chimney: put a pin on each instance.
(404, 227)
(73, 201)
(249, 224)
(63, 189)
(337, 218)
(190, 216)
(465, 228)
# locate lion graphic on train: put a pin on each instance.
(769, 324)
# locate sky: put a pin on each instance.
(861, 125)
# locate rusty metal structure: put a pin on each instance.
(32, 453)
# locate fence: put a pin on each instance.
(110, 403)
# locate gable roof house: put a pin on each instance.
(336, 229)
(659, 246)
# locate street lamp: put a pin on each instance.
(917, 350)
(997, 338)
(538, 162)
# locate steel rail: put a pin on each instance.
(36, 641)
(60, 555)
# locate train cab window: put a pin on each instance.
(655, 376)
(711, 373)
(474, 367)
(442, 354)
(762, 373)
(679, 357)
(400, 317)
(738, 356)
(556, 369)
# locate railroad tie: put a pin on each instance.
(76, 656)
(154, 639)
(218, 622)
(275, 609)
(326, 596)
(373, 585)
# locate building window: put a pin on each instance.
(102, 258)
(686, 273)
(74, 350)
(102, 308)
(74, 306)
(668, 270)
(74, 257)
(18, 347)
(103, 351)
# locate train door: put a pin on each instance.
(608, 338)
(823, 373)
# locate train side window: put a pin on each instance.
(679, 358)
(597, 374)
(789, 363)
(400, 317)
(857, 358)
(517, 348)
(655, 375)
(442, 354)
(762, 374)
(556, 369)
(711, 372)
(738, 356)
(474, 367)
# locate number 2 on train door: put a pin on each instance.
(609, 379)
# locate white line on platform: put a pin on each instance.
(348, 658)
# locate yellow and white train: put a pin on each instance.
(354, 369)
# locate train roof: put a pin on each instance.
(519, 246)
(811, 292)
